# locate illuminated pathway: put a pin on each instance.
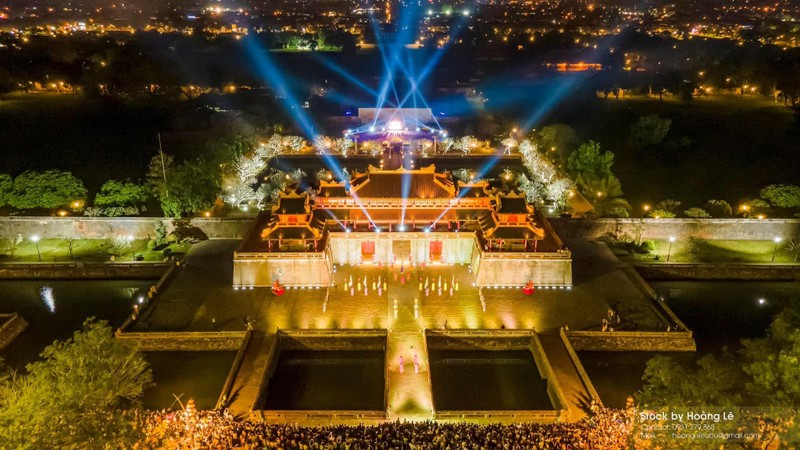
(409, 393)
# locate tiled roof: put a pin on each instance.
(392, 215)
(513, 205)
(422, 183)
(473, 189)
(291, 205)
(327, 189)
(504, 232)
(288, 232)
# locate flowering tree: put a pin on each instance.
(546, 182)
(559, 189)
(509, 143)
(342, 145)
(462, 175)
(241, 185)
(271, 148)
(447, 144)
(466, 144)
(322, 144)
(324, 174)
(374, 148)
(293, 143)
(423, 146)
(533, 190)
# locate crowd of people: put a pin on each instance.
(604, 429)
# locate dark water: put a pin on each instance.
(327, 380)
(58, 314)
(719, 313)
(724, 312)
(197, 375)
(487, 380)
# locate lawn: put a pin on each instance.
(88, 250)
(711, 251)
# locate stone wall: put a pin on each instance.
(502, 417)
(289, 269)
(185, 341)
(69, 271)
(11, 326)
(348, 340)
(587, 382)
(478, 339)
(625, 341)
(517, 269)
(104, 227)
(722, 229)
(222, 400)
(319, 418)
(760, 272)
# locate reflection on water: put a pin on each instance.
(487, 380)
(55, 309)
(721, 313)
(46, 292)
(327, 380)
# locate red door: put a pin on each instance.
(436, 250)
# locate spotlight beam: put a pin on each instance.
(345, 74)
(270, 70)
(388, 63)
(559, 92)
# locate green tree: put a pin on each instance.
(772, 363)
(793, 246)
(668, 205)
(6, 187)
(782, 195)
(591, 169)
(558, 141)
(754, 208)
(191, 187)
(601, 189)
(589, 161)
(226, 149)
(649, 131)
(73, 397)
(9, 245)
(713, 382)
(118, 245)
(160, 165)
(718, 208)
(48, 189)
(660, 214)
(121, 193)
(615, 207)
(697, 213)
(161, 233)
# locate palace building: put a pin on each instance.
(402, 216)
